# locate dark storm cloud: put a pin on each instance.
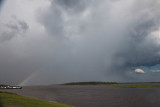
(1, 1)
(143, 48)
(75, 6)
(12, 29)
(81, 40)
(56, 14)
(7, 36)
(116, 37)
(23, 26)
(54, 27)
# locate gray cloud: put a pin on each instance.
(1, 1)
(12, 29)
(54, 27)
(142, 48)
(23, 25)
(72, 6)
(83, 40)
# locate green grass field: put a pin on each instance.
(139, 86)
(14, 100)
(140, 83)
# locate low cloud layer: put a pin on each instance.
(156, 71)
(78, 40)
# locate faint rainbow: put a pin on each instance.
(29, 77)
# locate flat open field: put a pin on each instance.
(8, 99)
(94, 95)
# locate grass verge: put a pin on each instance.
(13, 100)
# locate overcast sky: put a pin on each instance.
(79, 40)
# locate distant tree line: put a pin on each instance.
(90, 83)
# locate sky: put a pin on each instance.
(63, 41)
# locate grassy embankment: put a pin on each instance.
(140, 83)
(139, 86)
(90, 83)
(14, 100)
(121, 85)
